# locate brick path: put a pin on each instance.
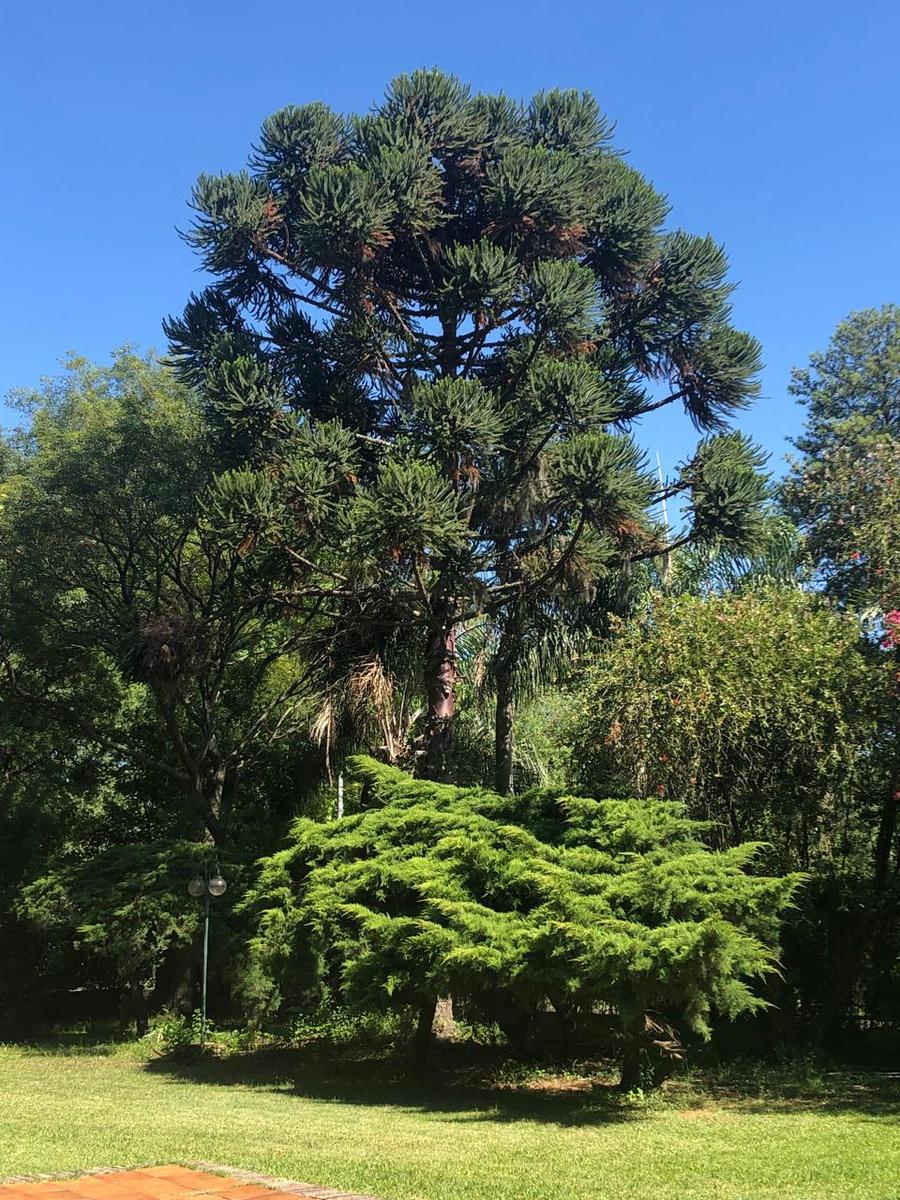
(209, 1182)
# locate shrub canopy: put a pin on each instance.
(433, 889)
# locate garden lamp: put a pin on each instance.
(206, 885)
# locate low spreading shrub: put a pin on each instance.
(519, 905)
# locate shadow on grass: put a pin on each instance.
(66, 1045)
(449, 1084)
(868, 1094)
(96, 1039)
(459, 1084)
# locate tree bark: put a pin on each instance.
(207, 788)
(504, 723)
(440, 689)
(133, 1007)
(505, 714)
(424, 1027)
(850, 942)
(178, 986)
(632, 1047)
(630, 1079)
(444, 1023)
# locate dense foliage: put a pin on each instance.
(845, 494)
(768, 714)
(128, 905)
(386, 497)
(516, 904)
(431, 329)
(758, 710)
(128, 620)
(844, 490)
(148, 695)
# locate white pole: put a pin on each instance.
(667, 558)
(340, 798)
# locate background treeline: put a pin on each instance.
(384, 498)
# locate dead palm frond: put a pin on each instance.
(377, 699)
(323, 727)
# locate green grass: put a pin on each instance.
(366, 1128)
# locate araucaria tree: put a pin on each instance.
(430, 332)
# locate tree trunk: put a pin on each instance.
(566, 1023)
(142, 1017)
(850, 947)
(440, 689)
(634, 1032)
(207, 789)
(630, 1079)
(133, 1008)
(505, 715)
(444, 1023)
(424, 1027)
(504, 735)
(179, 990)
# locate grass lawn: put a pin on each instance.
(363, 1128)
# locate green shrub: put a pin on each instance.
(333, 1025)
(517, 904)
(170, 1032)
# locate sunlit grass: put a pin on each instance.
(366, 1129)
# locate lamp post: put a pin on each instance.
(206, 885)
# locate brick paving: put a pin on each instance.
(201, 1181)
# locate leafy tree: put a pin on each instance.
(127, 621)
(128, 905)
(431, 330)
(766, 712)
(55, 797)
(778, 559)
(758, 709)
(844, 490)
(435, 889)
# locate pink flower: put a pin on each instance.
(892, 624)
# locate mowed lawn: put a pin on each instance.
(422, 1140)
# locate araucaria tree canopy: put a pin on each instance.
(430, 331)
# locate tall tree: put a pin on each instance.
(844, 492)
(764, 712)
(843, 489)
(431, 330)
(127, 621)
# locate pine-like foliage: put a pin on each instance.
(844, 490)
(550, 898)
(431, 329)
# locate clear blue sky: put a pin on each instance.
(773, 126)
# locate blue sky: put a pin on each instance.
(772, 126)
